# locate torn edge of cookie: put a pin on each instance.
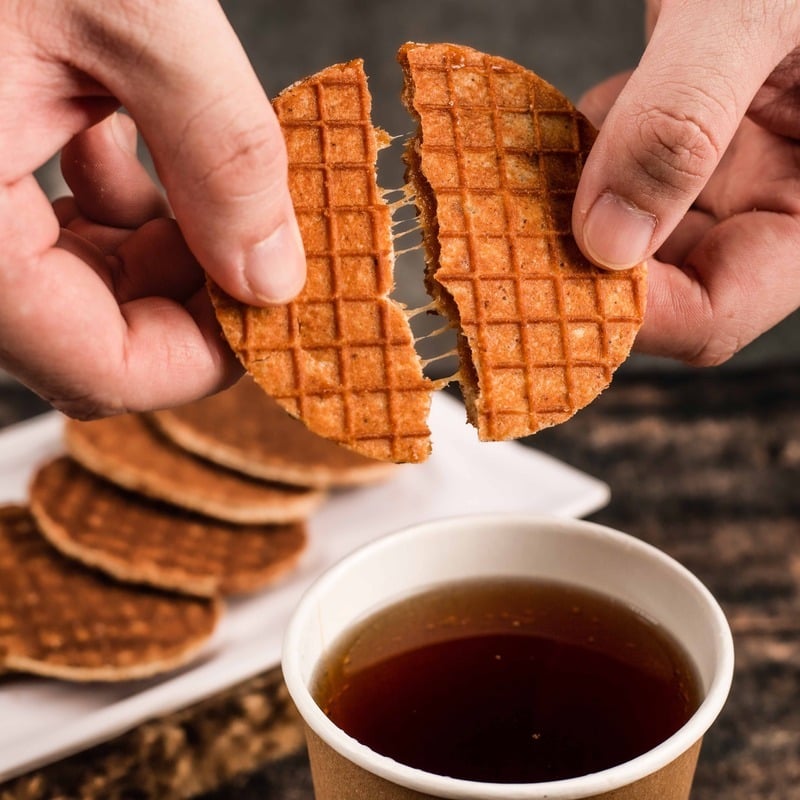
(442, 302)
(552, 356)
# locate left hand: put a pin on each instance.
(119, 224)
(102, 304)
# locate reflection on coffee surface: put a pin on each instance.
(508, 681)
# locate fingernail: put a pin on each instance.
(616, 233)
(275, 268)
(123, 129)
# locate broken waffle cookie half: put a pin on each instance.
(340, 356)
(495, 165)
(493, 169)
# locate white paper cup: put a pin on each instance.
(573, 551)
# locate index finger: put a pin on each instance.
(741, 281)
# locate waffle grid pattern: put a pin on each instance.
(341, 356)
(546, 329)
(62, 616)
(129, 452)
(144, 541)
(265, 441)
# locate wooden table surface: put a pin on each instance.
(703, 464)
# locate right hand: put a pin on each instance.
(696, 168)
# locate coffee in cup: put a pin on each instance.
(500, 574)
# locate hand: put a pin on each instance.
(102, 305)
(697, 168)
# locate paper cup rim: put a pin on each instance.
(584, 786)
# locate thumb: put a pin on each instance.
(215, 141)
(670, 125)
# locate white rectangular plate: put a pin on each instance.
(44, 720)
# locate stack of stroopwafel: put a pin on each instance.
(493, 170)
(118, 567)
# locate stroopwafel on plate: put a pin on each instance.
(129, 452)
(63, 620)
(144, 541)
(244, 429)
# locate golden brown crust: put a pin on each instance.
(341, 356)
(129, 452)
(244, 429)
(61, 619)
(143, 541)
(495, 165)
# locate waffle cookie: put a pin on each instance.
(341, 356)
(494, 167)
(244, 429)
(143, 541)
(131, 453)
(59, 619)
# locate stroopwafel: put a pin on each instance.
(129, 452)
(63, 620)
(244, 429)
(494, 167)
(341, 356)
(144, 541)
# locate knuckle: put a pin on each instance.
(719, 336)
(715, 351)
(677, 150)
(119, 32)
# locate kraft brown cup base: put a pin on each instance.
(336, 778)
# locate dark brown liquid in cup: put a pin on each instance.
(508, 681)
